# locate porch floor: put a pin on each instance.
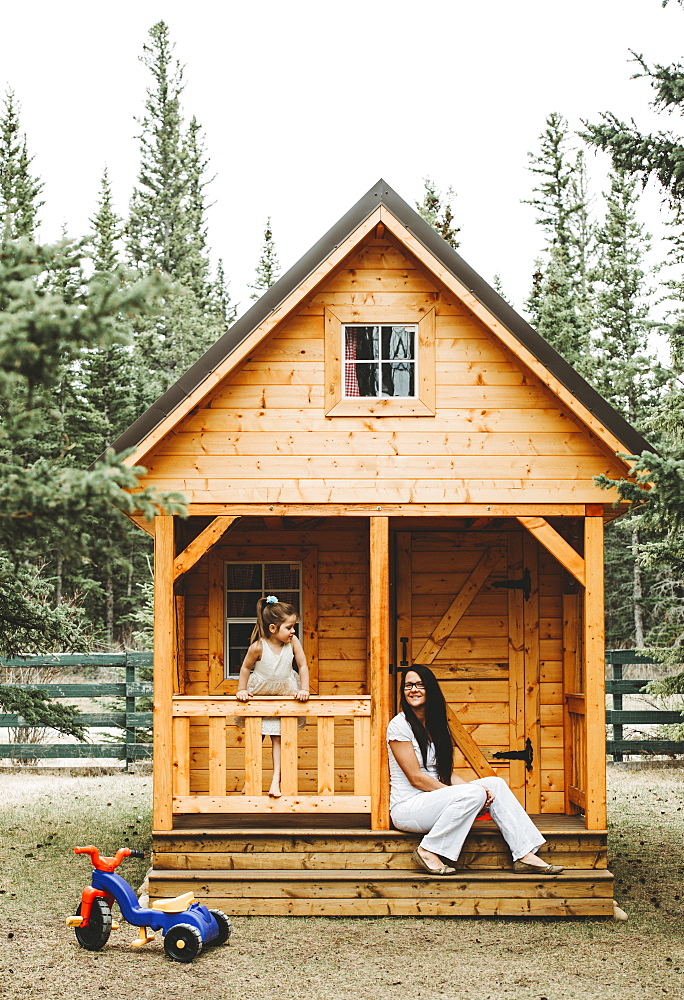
(333, 870)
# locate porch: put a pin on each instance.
(520, 668)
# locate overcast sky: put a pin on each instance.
(305, 105)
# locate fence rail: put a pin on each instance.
(129, 720)
(618, 717)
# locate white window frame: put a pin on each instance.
(413, 327)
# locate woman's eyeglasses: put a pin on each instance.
(414, 686)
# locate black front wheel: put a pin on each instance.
(183, 943)
(223, 926)
(95, 934)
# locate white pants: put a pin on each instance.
(446, 816)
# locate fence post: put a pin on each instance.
(617, 707)
(130, 707)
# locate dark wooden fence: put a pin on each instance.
(129, 688)
(618, 686)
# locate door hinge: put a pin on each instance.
(524, 584)
(527, 754)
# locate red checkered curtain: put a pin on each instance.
(351, 383)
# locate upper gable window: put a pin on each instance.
(379, 361)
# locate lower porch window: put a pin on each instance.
(245, 583)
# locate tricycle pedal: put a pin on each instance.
(143, 938)
(74, 921)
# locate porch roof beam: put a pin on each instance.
(554, 543)
(494, 510)
(201, 545)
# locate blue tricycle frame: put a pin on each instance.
(186, 926)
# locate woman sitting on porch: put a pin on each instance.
(425, 797)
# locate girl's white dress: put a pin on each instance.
(273, 674)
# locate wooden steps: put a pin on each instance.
(358, 872)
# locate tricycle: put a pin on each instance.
(185, 924)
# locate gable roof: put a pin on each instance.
(381, 194)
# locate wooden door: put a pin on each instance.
(468, 607)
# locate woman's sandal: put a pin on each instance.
(422, 863)
(525, 869)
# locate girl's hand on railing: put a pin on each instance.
(302, 695)
(242, 695)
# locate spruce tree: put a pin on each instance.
(43, 495)
(659, 478)
(19, 189)
(558, 304)
(166, 230)
(628, 374)
(437, 210)
(268, 268)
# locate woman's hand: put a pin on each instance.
(489, 799)
(242, 694)
(302, 695)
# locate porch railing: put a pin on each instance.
(576, 750)
(219, 713)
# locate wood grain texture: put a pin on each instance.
(164, 654)
(554, 543)
(379, 677)
(533, 719)
(595, 687)
(460, 604)
(516, 667)
(200, 545)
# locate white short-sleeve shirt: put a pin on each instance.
(400, 787)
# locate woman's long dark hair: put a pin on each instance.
(436, 728)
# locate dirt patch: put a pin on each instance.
(42, 817)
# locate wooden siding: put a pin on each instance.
(498, 435)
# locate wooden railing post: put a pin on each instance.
(379, 677)
(164, 648)
(594, 676)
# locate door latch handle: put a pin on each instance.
(404, 651)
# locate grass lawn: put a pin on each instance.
(391, 958)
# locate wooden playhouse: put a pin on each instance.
(382, 441)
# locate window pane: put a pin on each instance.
(290, 597)
(367, 378)
(367, 342)
(243, 604)
(239, 634)
(397, 343)
(244, 576)
(281, 576)
(398, 379)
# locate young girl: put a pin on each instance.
(267, 668)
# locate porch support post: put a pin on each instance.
(379, 678)
(594, 676)
(164, 644)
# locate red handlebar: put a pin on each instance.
(104, 864)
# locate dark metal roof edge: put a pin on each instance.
(382, 194)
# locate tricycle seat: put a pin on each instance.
(175, 905)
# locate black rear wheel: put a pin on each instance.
(183, 943)
(95, 934)
(223, 926)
